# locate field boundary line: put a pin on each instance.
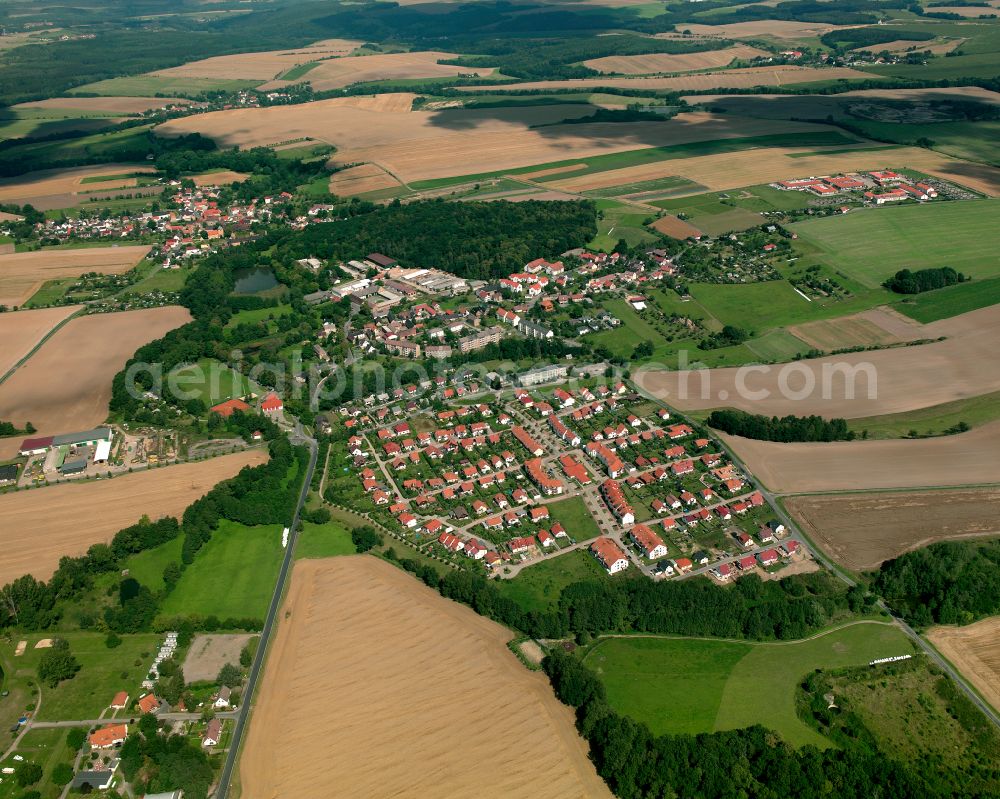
(40, 343)
(892, 490)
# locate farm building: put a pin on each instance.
(85, 438)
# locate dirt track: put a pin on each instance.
(20, 331)
(975, 651)
(905, 378)
(959, 460)
(863, 530)
(44, 524)
(399, 692)
(66, 385)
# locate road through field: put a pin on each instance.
(369, 665)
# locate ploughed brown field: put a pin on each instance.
(746, 78)
(877, 327)
(665, 62)
(23, 273)
(975, 651)
(105, 105)
(361, 179)
(44, 524)
(66, 385)
(906, 378)
(417, 145)
(396, 691)
(335, 73)
(222, 178)
(861, 531)
(675, 228)
(61, 188)
(751, 167)
(960, 460)
(22, 330)
(262, 66)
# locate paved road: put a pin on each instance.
(298, 437)
(772, 498)
(229, 714)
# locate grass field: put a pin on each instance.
(638, 330)
(974, 411)
(211, 381)
(150, 85)
(233, 575)
(538, 587)
(620, 221)
(964, 235)
(47, 748)
(101, 675)
(324, 540)
(575, 518)
(699, 685)
(952, 301)
(777, 345)
(754, 306)
(147, 566)
(753, 199)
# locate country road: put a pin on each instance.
(773, 499)
(243, 714)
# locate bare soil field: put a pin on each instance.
(419, 686)
(750, 167)
(877, 327)
(58, 188)
(44, 524)
(360, 179)
(773, 28)
(675, 228)
(23, 273)
(22, 330)
(223, 178)
(336, 73)
(416, 145)
(105, 105)
(960, 460)
(780, 75)
(262, 66)
(861, 531)
(209, 653)
(975, 651)
(66, 385)
(665, 62)
(905, 378)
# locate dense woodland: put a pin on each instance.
(752, 762)
(907, 282)
(950, 582)
(785, 428)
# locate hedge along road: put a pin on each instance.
(773, 500)
(232, 756)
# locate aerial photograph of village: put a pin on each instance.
(472, 399)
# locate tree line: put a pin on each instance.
(950, 582)
(907, 282)
(785, 428)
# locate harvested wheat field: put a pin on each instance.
(664, 62)
(967, 11)
(105, 105)
(21, 331)
(44, 524)
(768, 28)
(371, 666)
(262, 66)
(66, 385)
(725, 171)
(883, 381)
(780, 75)
(60, 188)
(23, 273)
(877, 327)
(861, 531)
(805, 468)
(361, 179)
(676, 228)
(223, 178)
(975, 651)
(336, 73)
(417, 145)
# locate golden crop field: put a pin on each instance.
(60, 188)
(665, 62)
(20, 331)
(361, 179)
(975, 651)
(262, 66)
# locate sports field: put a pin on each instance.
(687, 685)
(963, 235)
(233, 576)
(210, 381)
